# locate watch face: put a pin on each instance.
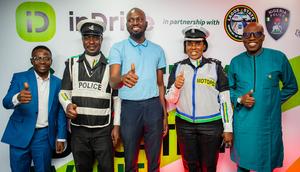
(239, 100)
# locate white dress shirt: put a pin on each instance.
(43, 99)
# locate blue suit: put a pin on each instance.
(21, 132)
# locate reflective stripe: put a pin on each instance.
(91, 93)
(93, 111)
(199, 118)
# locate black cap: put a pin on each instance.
(194, 33)
(91, 27)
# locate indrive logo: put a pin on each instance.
(35, 21)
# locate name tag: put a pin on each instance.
(205, 81)
(89, 85)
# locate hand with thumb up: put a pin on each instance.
(130, 78)
(24, 95)
(248, 99)
(71, 111)
(179, 80)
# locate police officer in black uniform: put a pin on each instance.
(87, 99)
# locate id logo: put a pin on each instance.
(35, 21)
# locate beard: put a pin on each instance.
(137, 35)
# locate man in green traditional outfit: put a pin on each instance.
(254, 78)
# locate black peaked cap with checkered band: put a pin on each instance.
(91, 27)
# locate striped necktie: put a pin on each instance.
(198, 61)
(95, 61)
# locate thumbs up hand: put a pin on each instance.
(179, 80)
(130, 78)
(248, 99)
(24, 95)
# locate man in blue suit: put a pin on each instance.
(38, 123)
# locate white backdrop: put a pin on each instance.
(15, 52)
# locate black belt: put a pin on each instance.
(37, 129)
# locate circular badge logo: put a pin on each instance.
(236, 19)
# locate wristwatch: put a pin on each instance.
(239, 100)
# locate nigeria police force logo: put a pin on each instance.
(236, 19)
(277, 21)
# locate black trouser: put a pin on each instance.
(88, 144)
(199, 144)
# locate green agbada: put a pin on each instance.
(257, 143)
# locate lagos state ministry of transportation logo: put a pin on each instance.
(277, 21)
(236, 19)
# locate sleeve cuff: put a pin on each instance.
(239, 100)
(117, 110)
(15, 100)
(61, 140)
(65, 105)
(173, 94)
(227, 127)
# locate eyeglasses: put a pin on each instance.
(247, 35)
(40, 59)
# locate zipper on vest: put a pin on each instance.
(193, 94)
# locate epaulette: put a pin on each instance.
(72, 58)
(215, 61)
(77, 56)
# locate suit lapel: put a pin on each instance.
(33, 88)
(51, 92)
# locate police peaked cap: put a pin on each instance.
(195, 33)
(91, 27)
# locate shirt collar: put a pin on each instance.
(135, 44)
(203, 61)
(197, 62)
(40, 78)
(102, 58)
(92, 57)
(258, 53)
(194, 61)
